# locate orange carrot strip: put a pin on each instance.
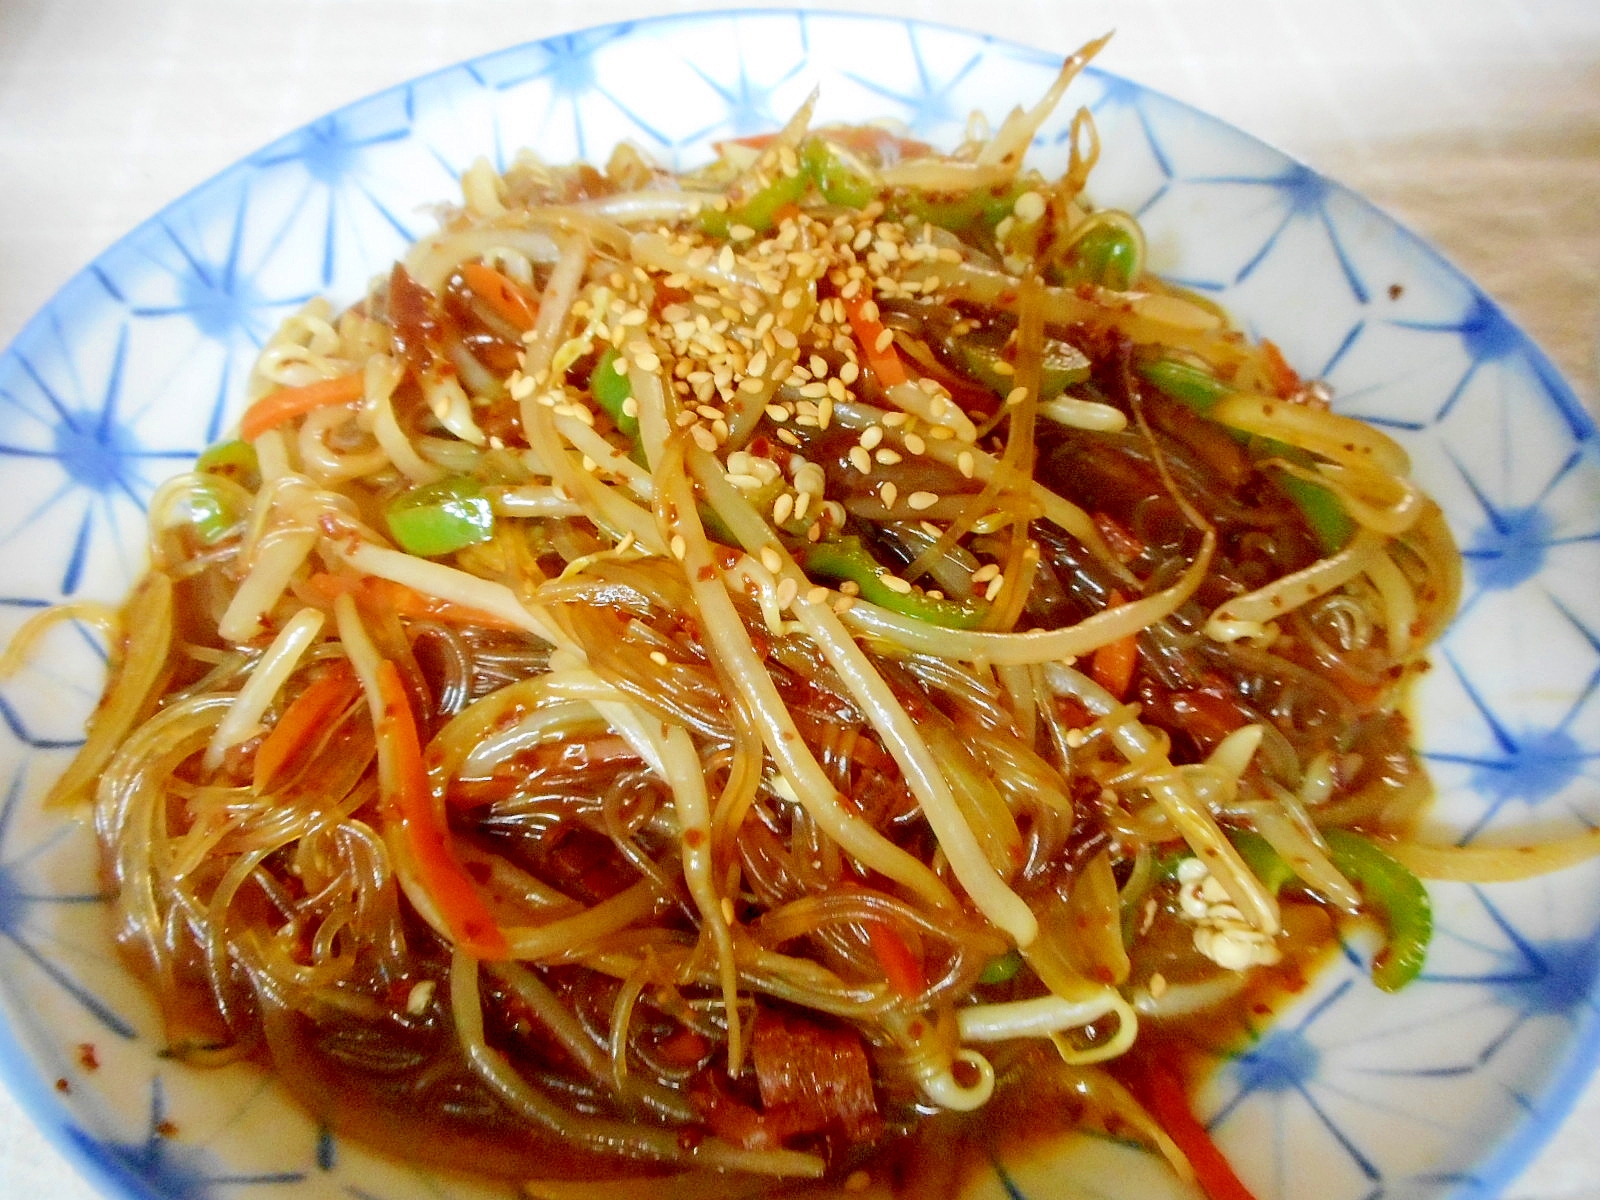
(1111, 666)
(285, 404)
(326, 696)
(879, 350)
(501, 293)
(901, 968)
(1285, 379)
(410, 796)
(1162, 1091)
(683, 1047)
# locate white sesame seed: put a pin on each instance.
(922, 500)
(886, 456)
(703, 438)
(1016, 396)
(658, 658)
(965, 464)
(985, 573)
(817, 595)
(914, 443)
(678, 546)
(993, 590)
(888, 493)
(861, 460)
(895, 584)
(810, 477)
(786, 592)
(783, 508)
(771, 559)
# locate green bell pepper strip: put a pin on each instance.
(1398, 900)
(838, 182)
(847, 559)
(982, 207)
(441, 518)
(232, 460)
(1107, 256)
(612, 392)
(1002, 969)
(758, 209)
(1320, 507)
(1392, 893)
(1200, 390)
(210, 514)
(1265, 863)
(1185, 383)
(1063, 365)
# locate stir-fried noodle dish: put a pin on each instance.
(736, 678)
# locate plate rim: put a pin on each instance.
(1514, 1145)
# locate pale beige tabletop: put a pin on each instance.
(1477, 122)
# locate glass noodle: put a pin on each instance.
(709, 678)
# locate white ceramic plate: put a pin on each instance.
(1443, 1090)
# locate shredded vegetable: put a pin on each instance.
(831, 623)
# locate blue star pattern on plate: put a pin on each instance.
(159, 1163)
(1442, 1090)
